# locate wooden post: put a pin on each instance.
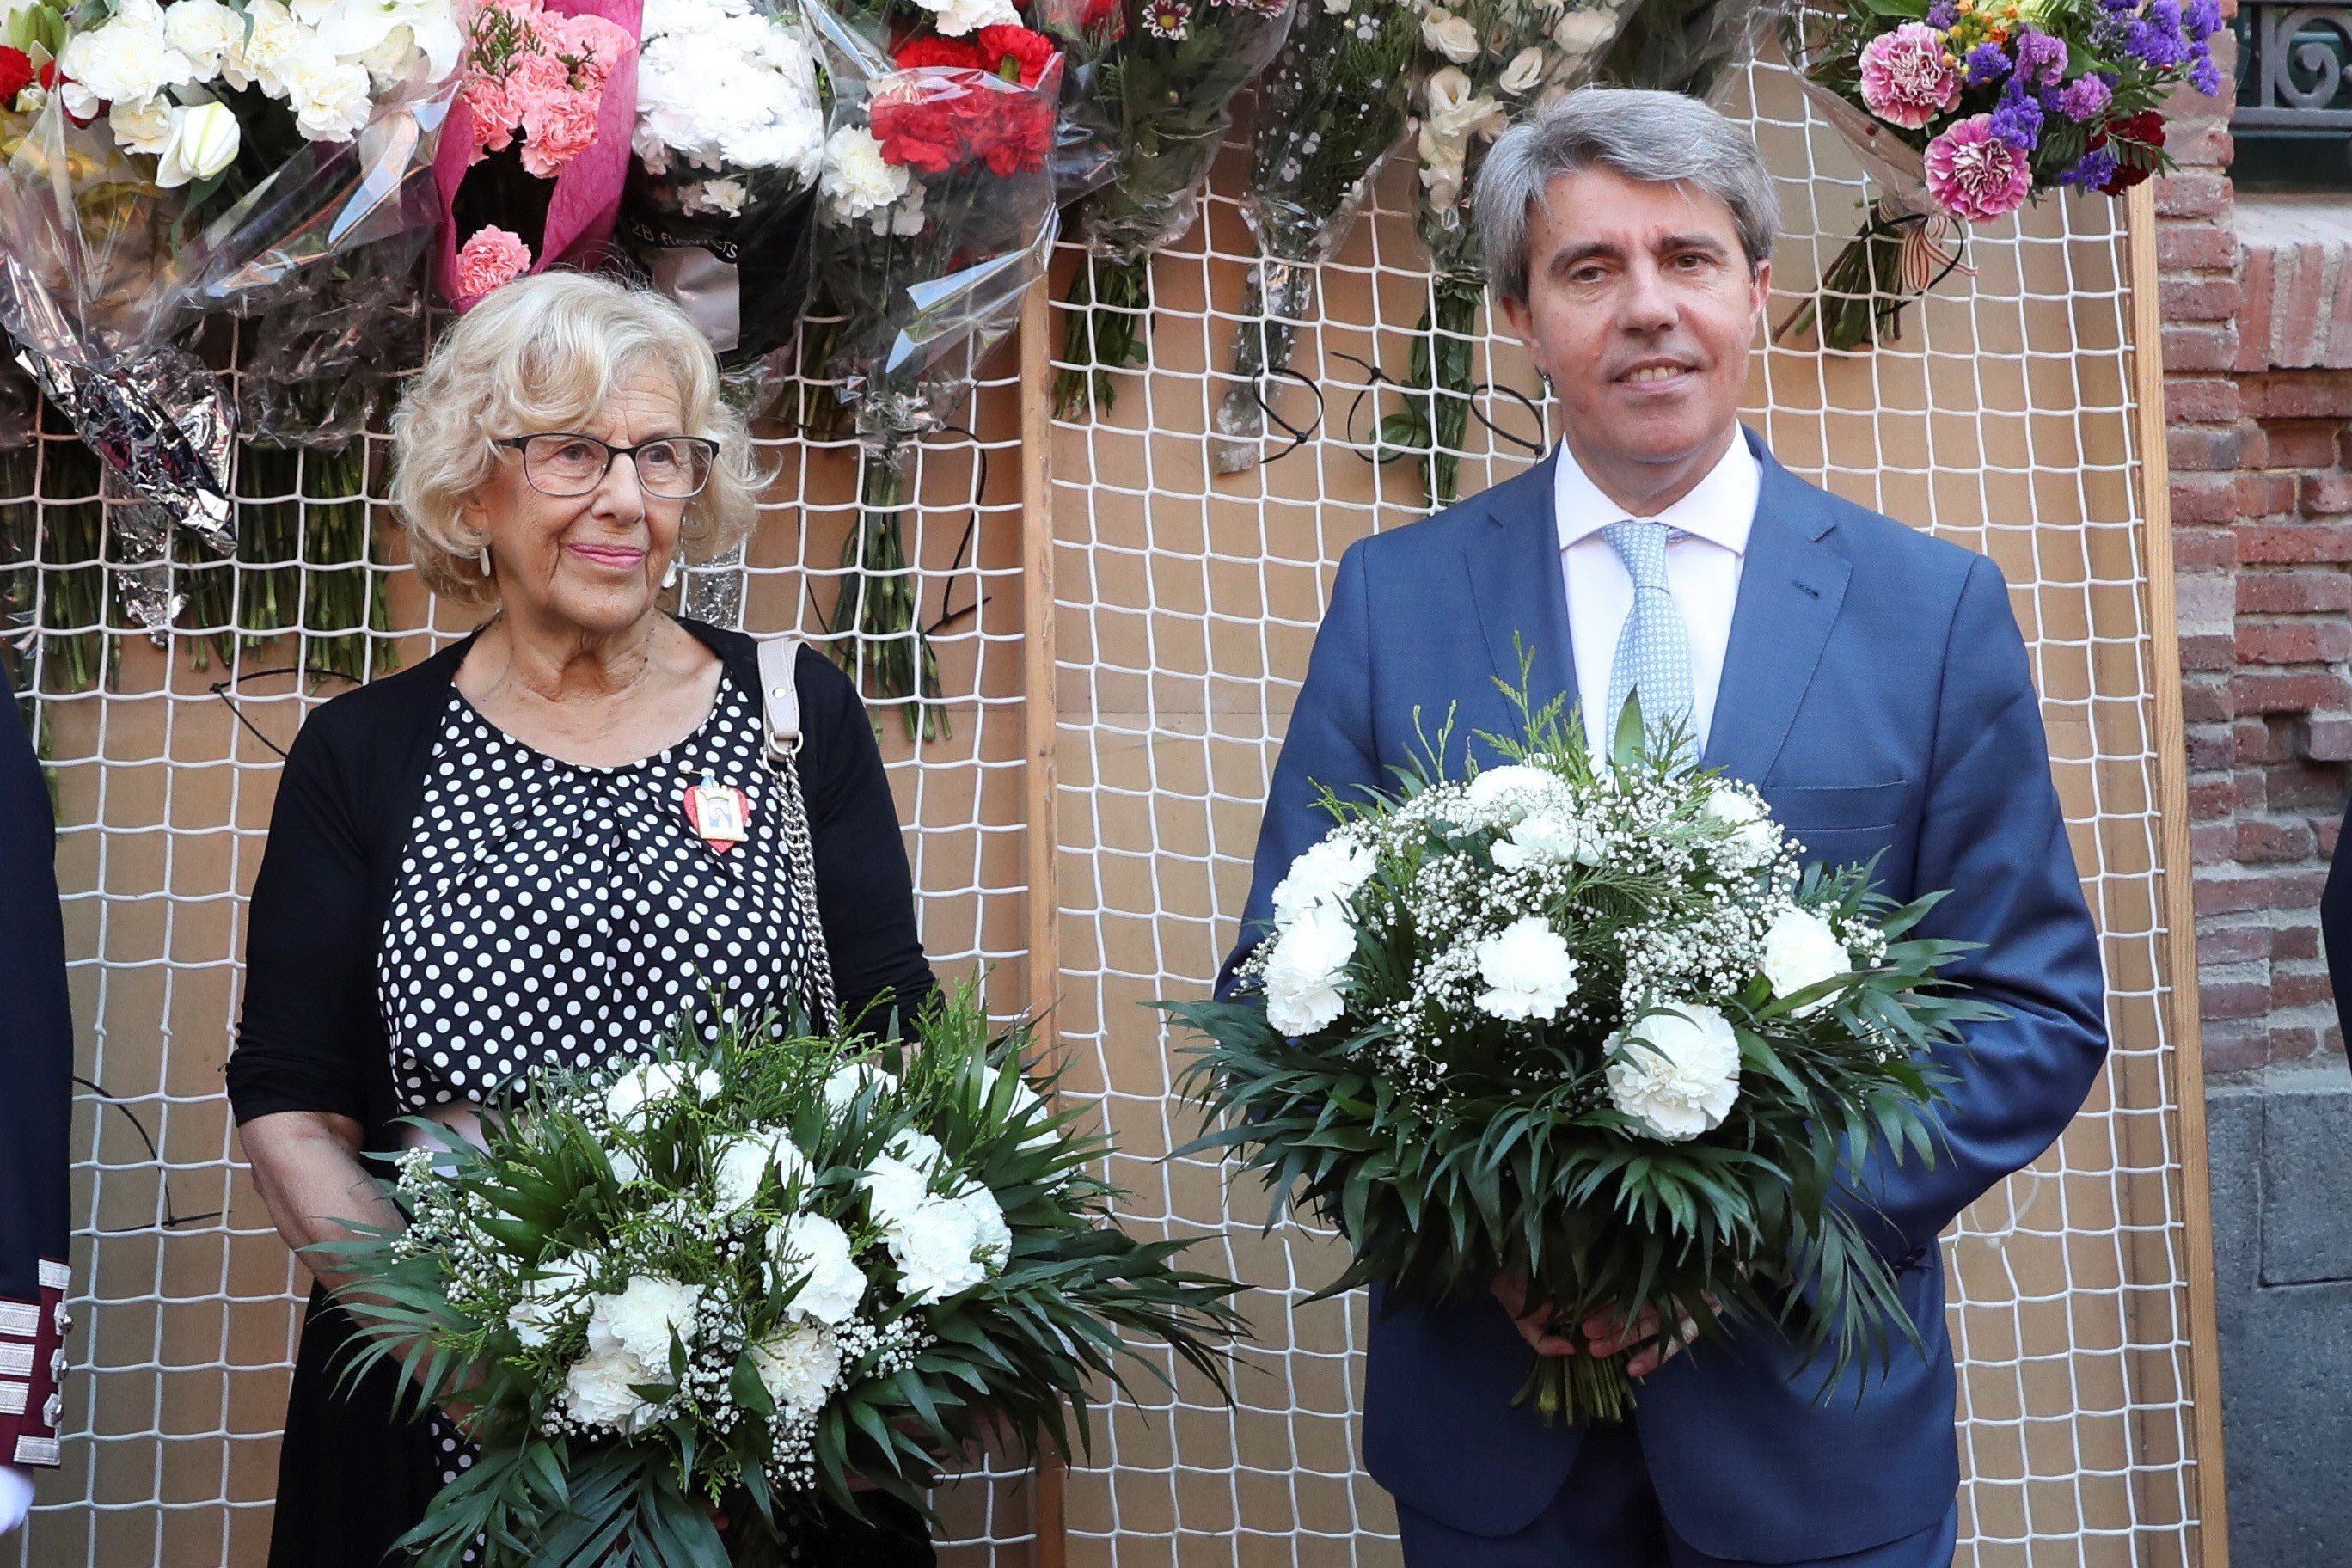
(2179, 891)
(1041, 717)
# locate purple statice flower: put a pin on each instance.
(2156, 38)
(2041, 58)
(2203, 18)
(2203, 72)
(2017, 119)
(1987, 64)
(2097, 167)
(2084, 99)
(1942, 15)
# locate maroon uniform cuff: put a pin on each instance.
(33, 1370)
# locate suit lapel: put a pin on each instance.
(1517, 585)
(1790, 590)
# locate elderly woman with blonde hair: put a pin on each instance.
(543, 846)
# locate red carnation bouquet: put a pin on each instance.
(935, 218)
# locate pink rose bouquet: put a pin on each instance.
(1963, 110)
(531, 170)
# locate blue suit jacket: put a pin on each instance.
(1876, 691)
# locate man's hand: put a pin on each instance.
(1603, 1333)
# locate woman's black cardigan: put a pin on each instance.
(311, 1036)
(351, 1478)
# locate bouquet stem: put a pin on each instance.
(876, 618)
(1577, 1389)
(1279, 295)
(1439, 385)
(1109, 310)
(1863, 292)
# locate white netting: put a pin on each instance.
(1184, 610)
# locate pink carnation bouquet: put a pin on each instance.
(1963, 110)
(537, 151)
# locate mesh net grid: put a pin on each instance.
(1184, 608)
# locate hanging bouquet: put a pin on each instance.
(1690, 46)
(729, 140)
(1962, 111)
(1164, 74)
(531, 173)
(1331, 108)
(166, 161)
(753, 1275)
(1590, 1027)
(1485, 60)
(936, 217)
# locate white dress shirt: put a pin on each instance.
(1703, 556)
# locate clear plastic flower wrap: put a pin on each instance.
(935, 218)
(1163, 74)
(730, 140)
(220, 189)
(1330, 111)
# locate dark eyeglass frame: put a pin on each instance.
(519, 446)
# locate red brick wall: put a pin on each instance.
(2257, 301)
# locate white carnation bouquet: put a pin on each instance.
(729, 140)
(1593, 1026)
(756, 1272)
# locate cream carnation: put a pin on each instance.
(942, 1248)
(1330, 872)
(1676, 1072)
(126, 59)
(799, 1366)
(1528, 969)
(642, 1319)
(1548, 841)
(858, 182)
(598, 1391)
(204, 31)
(847, 1082)
(813, 1250)
(1801, 951)
(550, 1303)
(1499, 797)
(1306, 970)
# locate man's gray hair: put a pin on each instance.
(1662, 138)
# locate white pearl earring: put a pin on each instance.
(669, 573)
(483, 560)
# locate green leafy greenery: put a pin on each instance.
(1508, 1157)
(1027, 1351)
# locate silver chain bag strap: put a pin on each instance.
(780, 702)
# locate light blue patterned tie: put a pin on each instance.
(1654, 650)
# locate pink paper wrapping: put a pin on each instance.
(587, 197)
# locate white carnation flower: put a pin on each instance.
(141, 126)
(1747, 825)
(814, 1251)
(992, 1236)
(1546, 840)
(938, 1249)
(740, 1166)
(272, 37)
(799, 1366)
(549, 1303)
(958, 18)
(1330, 872)
(204, 31)
(1456, 37)
(894, 1189)
(648, 1083)
(1800, 950)
(1528, 969)
(624, 1165)
(842, 1089)
(598, 1391)
(715, 198)
(126, 59)
(857, 180)
(1501, 797)
(1676, 1072)
(642, 1319)
(1306, 971)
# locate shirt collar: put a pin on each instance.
(1719, 509)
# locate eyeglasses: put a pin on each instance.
(564, 463)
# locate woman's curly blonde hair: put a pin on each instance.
(544, 353)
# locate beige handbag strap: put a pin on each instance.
(780, 703)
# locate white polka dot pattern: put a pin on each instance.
(550, 914)
(1653, 650)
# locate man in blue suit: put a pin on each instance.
(1869, 679)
